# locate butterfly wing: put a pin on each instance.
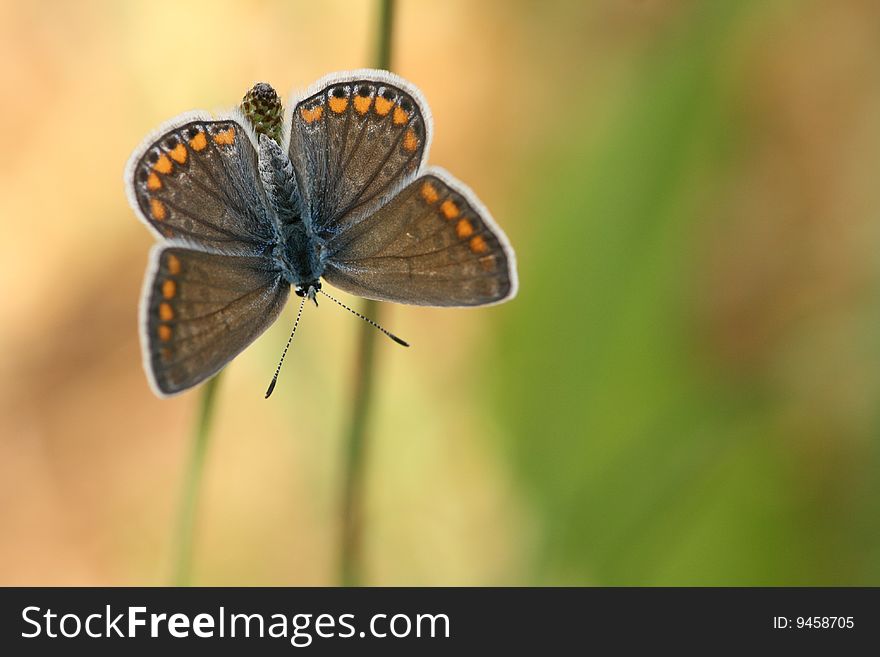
(197, 180)
(199, 310)
(355, 139)
(433, 244)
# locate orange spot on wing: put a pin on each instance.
(163, 164)
(478, 244)
(464, 228)
(178, 153)
(449, 209)
(400, 117)
(362, 104)
(312, 115)
(157, 209)
(166, 314)
(225, 138)
(164, 333)
(169, 289)
(383, 105)
(198, 142)
(173, 263)
(338, 105)
(165, 354)
(153, 182)
(429, 193)
(410, 141)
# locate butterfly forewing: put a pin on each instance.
(353, 143)
(198, 182)
(200, 310)
(432, 244)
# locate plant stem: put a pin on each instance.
(352, 493)
(383, 40)
(191, 485)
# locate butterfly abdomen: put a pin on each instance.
(279, 182)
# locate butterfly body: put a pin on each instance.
(299, 259)
(297, 250)
(343, 196)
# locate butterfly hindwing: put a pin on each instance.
(433, 244)
(354, 142)
(199, 310)
(198, 181)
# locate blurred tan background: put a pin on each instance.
(685, 391)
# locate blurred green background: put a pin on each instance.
(686, 390)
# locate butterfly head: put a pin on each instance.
(309, 290)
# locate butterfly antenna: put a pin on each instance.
(366, 319)
(286, 347)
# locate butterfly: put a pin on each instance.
(253, 201)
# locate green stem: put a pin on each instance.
(383, 41)
(355, 446)
(191, 485)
